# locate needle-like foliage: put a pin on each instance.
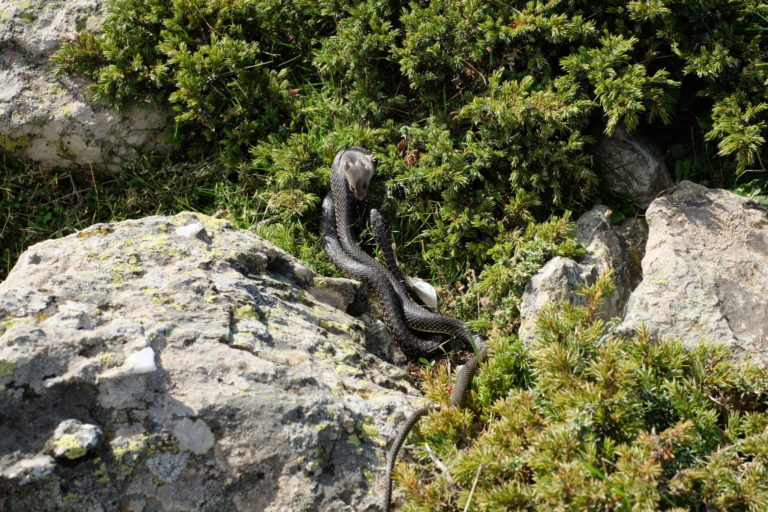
(588, 420)
(484, 114)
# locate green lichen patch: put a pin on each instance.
(334, 326)
(321, 282)
(212, 223)
(110, 359)
(7, 367)
(369, 429)
(71, 448)
(101, 474)
(116, 278)
(11, 145)
(128, 270)
(133, 445)
(246, 312)
(160, 297)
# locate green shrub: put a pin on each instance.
(483, 114)
(587, 420)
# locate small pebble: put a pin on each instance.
(195, 230)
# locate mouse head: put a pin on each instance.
(358, 169)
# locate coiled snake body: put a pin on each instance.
(416, 316)
(390, 306)
(399, 311)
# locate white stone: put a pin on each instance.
(142, 361)
(30, 469)
(87, 437)
(195, 230)
(425, 291)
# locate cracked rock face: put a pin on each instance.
(49, 120)
(616, 247)
(705, 271)
(188, 369)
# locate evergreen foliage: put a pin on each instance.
(588, 420)
(483, 113)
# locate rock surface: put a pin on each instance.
(616, 247)
(705, 271)
(218, 380)
(73, 439)
(633, 166)
(49, 120)
(619, 247)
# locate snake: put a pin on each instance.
(463, 380)
(417, 317)
(383, 236)
(400, 313)
(390, 307)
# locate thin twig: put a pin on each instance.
(440, 466)
(474, 485)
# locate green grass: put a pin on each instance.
(584, 419)
(39, 204)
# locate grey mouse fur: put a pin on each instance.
(358, 168)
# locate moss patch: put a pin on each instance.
(7, 367)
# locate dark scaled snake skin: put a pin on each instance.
(390, 307)
(463, 381)
(383, 236)
(417, 317)
(401, 314)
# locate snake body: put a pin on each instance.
(463, 379)
(383, 237)
(417, 317)
(400, 312)
(389, 302)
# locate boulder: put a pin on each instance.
(633, 166)
(616, 247)
(177, 363)
(705, 271)
(49, 120)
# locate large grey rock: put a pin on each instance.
(556, 281)
(633, 166)
(219, 381)
(705, 271)
(616, 247)
(49, 120)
